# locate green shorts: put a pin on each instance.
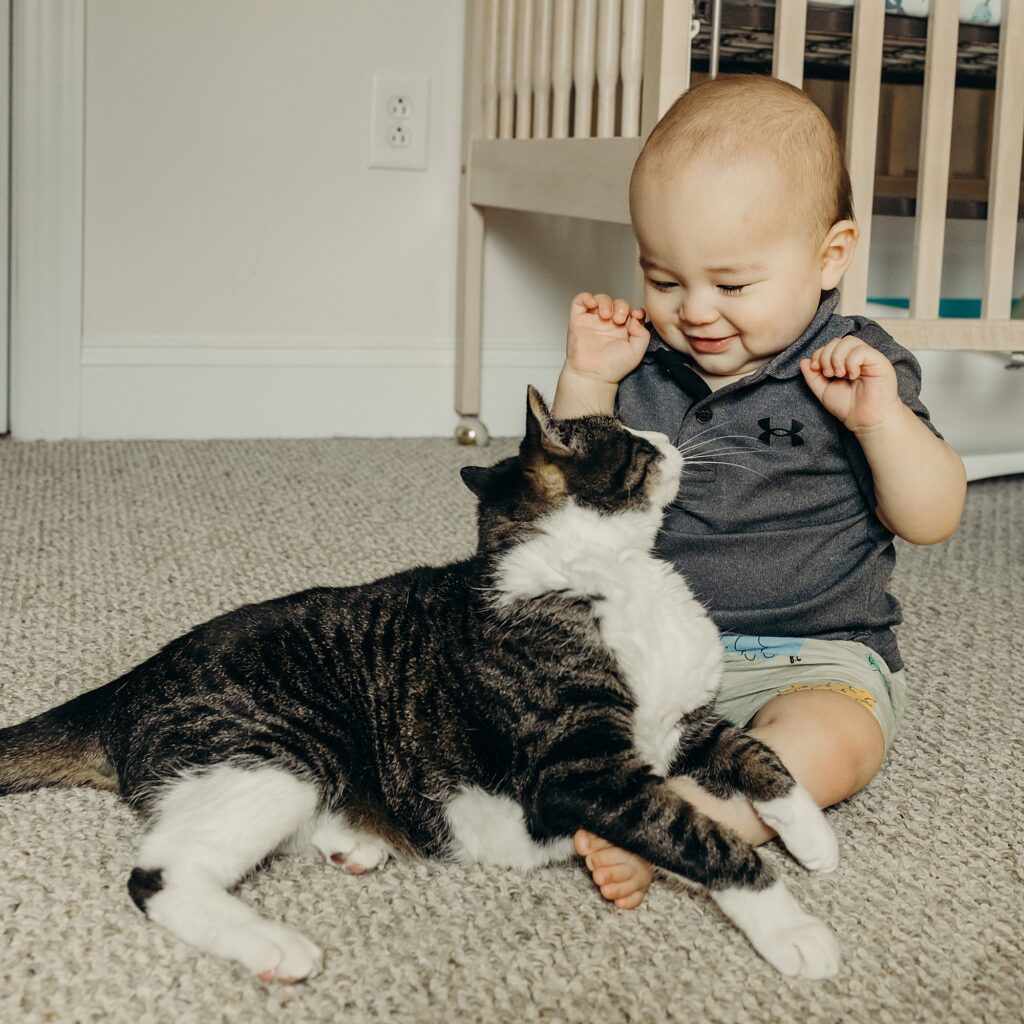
(760, 668)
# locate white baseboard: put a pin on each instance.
(178, 388)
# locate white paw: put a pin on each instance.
(356, 852)
(807, 949)
(790, 940)
(802, 828)
(276, 953)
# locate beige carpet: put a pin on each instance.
(109, 550)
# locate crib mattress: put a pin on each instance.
(748, 26)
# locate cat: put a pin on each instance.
(480, 711)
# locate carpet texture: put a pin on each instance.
(108, 550)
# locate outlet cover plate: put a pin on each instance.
(409, 94)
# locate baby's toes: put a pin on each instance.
(586, 842)
(626, 895)
(614, 856)
(630, 902)
(617, 872)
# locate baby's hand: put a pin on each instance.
(854, 381)
(607, 338)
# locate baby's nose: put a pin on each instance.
(697, 315)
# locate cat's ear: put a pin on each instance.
(539, 432)
(476, 478)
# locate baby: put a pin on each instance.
(807, 444)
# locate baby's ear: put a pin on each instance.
(837, 252)
(476, 478)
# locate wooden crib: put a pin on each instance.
(559, 95)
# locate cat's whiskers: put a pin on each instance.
(690, 446)
(725, 462)
(724, 451)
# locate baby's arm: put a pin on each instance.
(606, 341)
(919, 480)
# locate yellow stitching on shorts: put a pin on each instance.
(864, 697)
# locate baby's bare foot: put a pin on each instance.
(622, 877)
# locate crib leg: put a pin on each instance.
(468, 324)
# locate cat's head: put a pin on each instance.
(592, 463)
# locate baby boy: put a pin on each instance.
(806, 442)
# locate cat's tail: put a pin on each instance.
(60, 747)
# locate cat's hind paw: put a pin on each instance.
(277, 954)
(802, 828)
(356, 852)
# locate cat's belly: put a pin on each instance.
(490, 829)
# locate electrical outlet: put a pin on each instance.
(399, 108)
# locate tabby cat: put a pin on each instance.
(479, 711)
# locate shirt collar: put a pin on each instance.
(786, 363)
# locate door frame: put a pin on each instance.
(47, 178)
(5, 193)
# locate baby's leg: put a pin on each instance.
(831, 745)
(209, 832)
(630, 807)
(733, 764)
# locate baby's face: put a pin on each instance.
(729, 280)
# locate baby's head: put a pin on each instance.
(742, 210)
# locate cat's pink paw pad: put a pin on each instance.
(270, 978)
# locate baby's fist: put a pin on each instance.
(607, 338)
(854, 381)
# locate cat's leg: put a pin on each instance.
(640, 813)
(354, 850)
(209, 831)
(726, 760)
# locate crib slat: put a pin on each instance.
(632, 62)
(489, 74)
(790, 34)
(506, 69)
(1005, 167)
(609, 29)
(862, 140)
(667, 61)
(542, 69)
(583, 65)
(933, 163)
(478, 119)
(561, 68)
(524, 68)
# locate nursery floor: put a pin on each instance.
(108, 550)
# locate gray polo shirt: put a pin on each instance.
(783, 542)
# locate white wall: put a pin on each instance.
(247, 274)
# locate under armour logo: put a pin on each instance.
(768, 432)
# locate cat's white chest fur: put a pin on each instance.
(666, 647)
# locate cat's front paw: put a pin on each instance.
(802, 828)
(807, 949)
(793, 942)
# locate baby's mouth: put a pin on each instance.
(710, 344)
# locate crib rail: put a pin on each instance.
(562, 68)
(923, 329)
